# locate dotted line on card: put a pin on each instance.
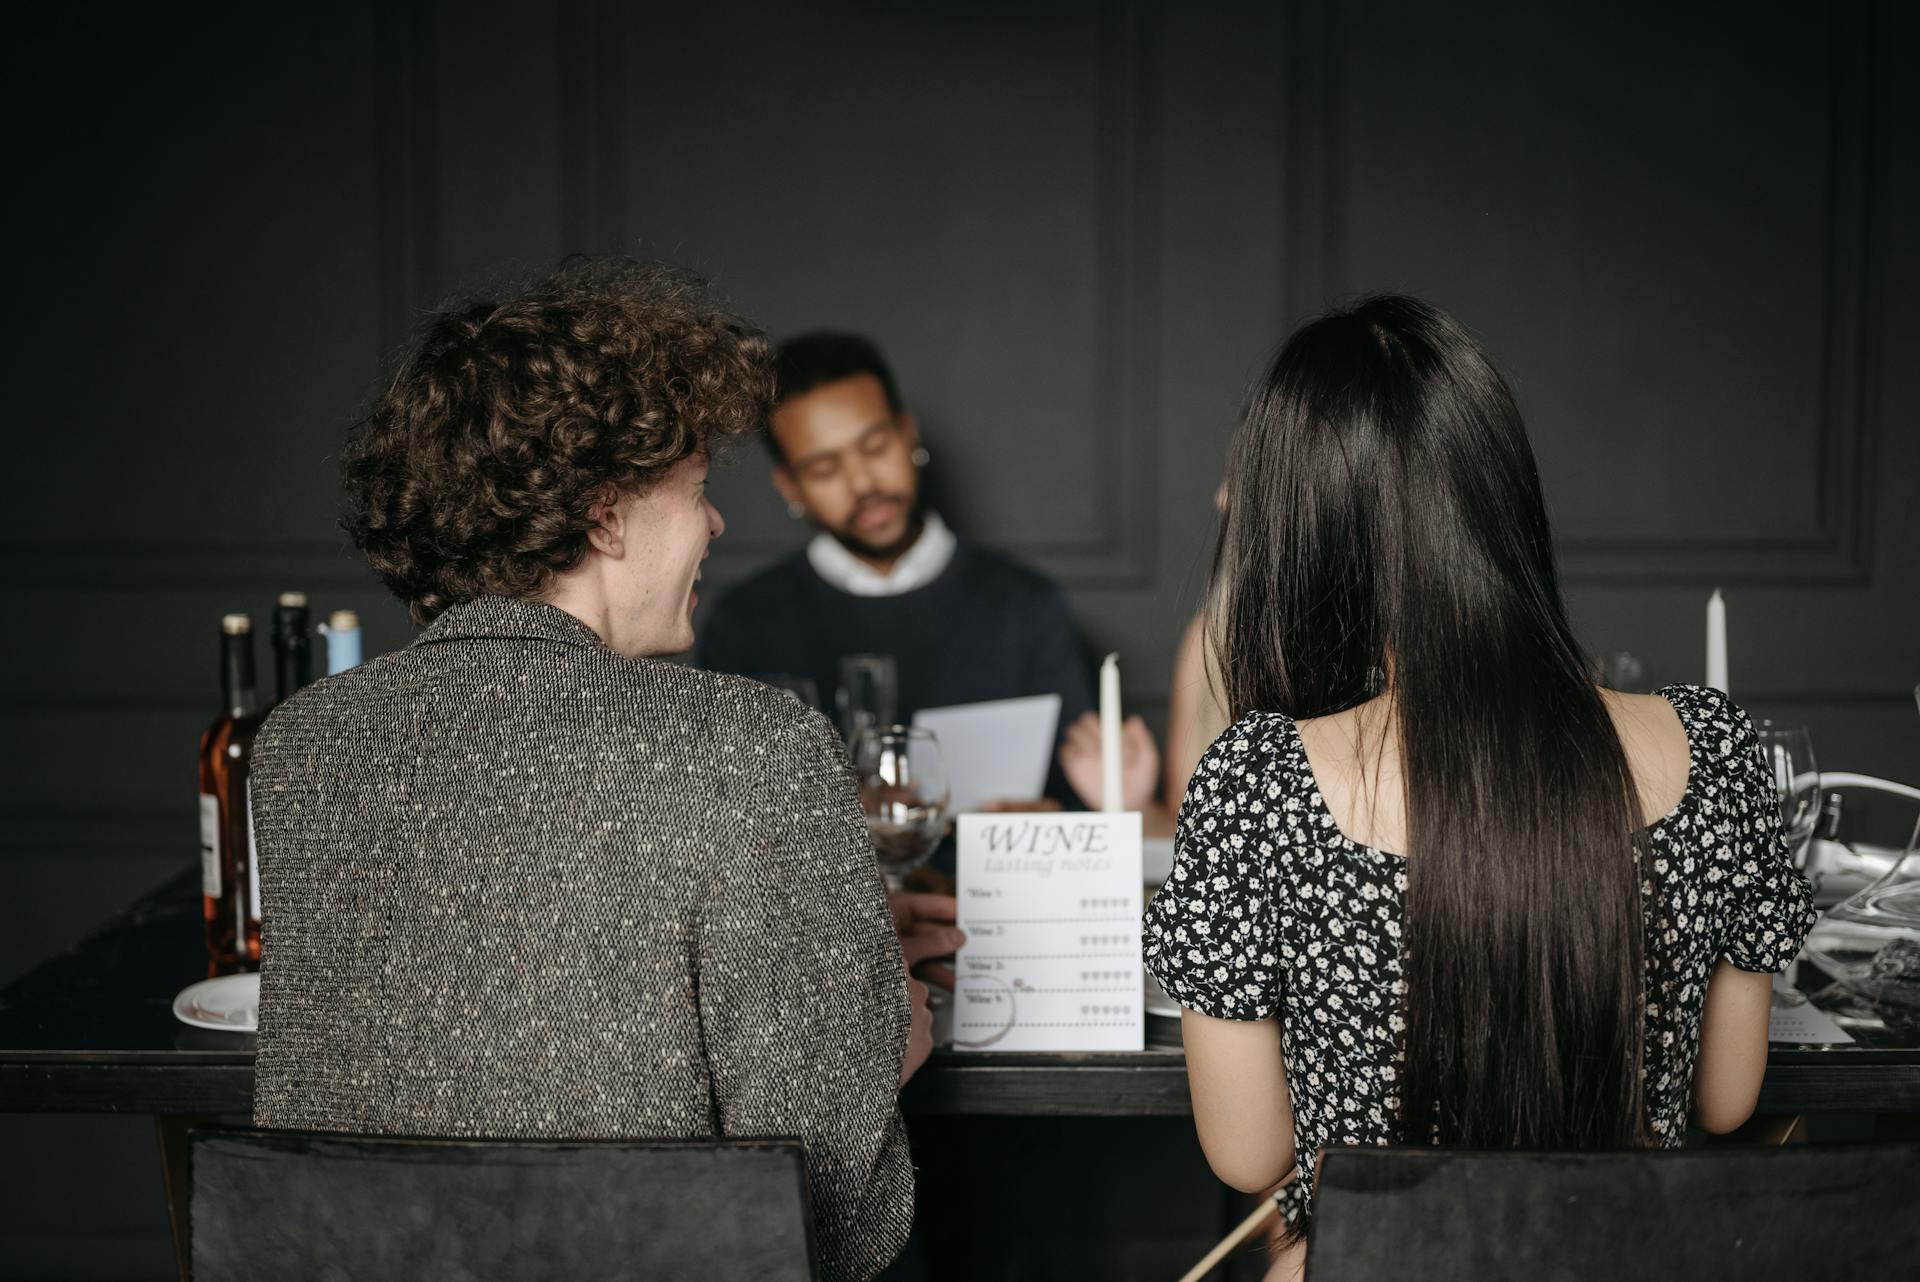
(1045, 921)
(1068, 1023)
(1074, 990)
(1048, 956)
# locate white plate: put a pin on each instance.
(229, 1004)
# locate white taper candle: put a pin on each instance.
(1717, 642)
(1110, 733)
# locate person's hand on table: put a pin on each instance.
(1139, 761)
(925, 925)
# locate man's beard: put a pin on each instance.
(916, 523)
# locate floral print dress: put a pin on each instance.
(1271, 912)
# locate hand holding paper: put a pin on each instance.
(995, 751)
(924, 923)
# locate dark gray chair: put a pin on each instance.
(1750, 1215)
(290, 1205)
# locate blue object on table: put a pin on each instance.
(342, 630)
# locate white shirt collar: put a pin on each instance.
(918, 566)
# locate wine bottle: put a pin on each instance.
(230, 903)
(292, 646)
(342, 630)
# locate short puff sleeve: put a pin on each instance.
(1768, 908)
(1209, 932)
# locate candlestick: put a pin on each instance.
(1110, 733)
(1717, 642)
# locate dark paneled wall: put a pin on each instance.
(1078, 228)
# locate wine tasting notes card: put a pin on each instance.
(1051, 907)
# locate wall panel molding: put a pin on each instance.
(1837, 550)
(1313, 259)
(591, 143)
(1126, 223)
(408, 215)
(1125, 218)
(406, 220)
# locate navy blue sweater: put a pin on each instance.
(987, 628)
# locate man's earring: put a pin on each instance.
(796, 509)
(920, 456)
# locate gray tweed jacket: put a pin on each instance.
(516, 885)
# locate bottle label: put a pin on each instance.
(253, 860)
(209, 845)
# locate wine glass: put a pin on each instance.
(1787, 751)
(905, 793)
(868, 694)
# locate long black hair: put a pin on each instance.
(1385, 530)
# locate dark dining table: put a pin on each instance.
(92, 1030)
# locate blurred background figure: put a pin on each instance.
(882, 574)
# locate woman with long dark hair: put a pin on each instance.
(1433, 884)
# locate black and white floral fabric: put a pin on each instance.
(1271, 912)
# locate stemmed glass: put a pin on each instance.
(1788, 753)
(905, 793)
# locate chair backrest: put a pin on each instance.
(1755, 1215)
(293, 1205)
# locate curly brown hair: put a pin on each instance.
(478, 472)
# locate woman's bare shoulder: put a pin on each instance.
(1655, 742)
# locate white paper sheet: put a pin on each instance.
(1051, 907)
(995, 751)
(1795, 1021)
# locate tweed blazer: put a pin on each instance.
(513, 884)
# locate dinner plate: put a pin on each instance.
(229, 1004)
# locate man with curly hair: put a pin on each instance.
(525, 879)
